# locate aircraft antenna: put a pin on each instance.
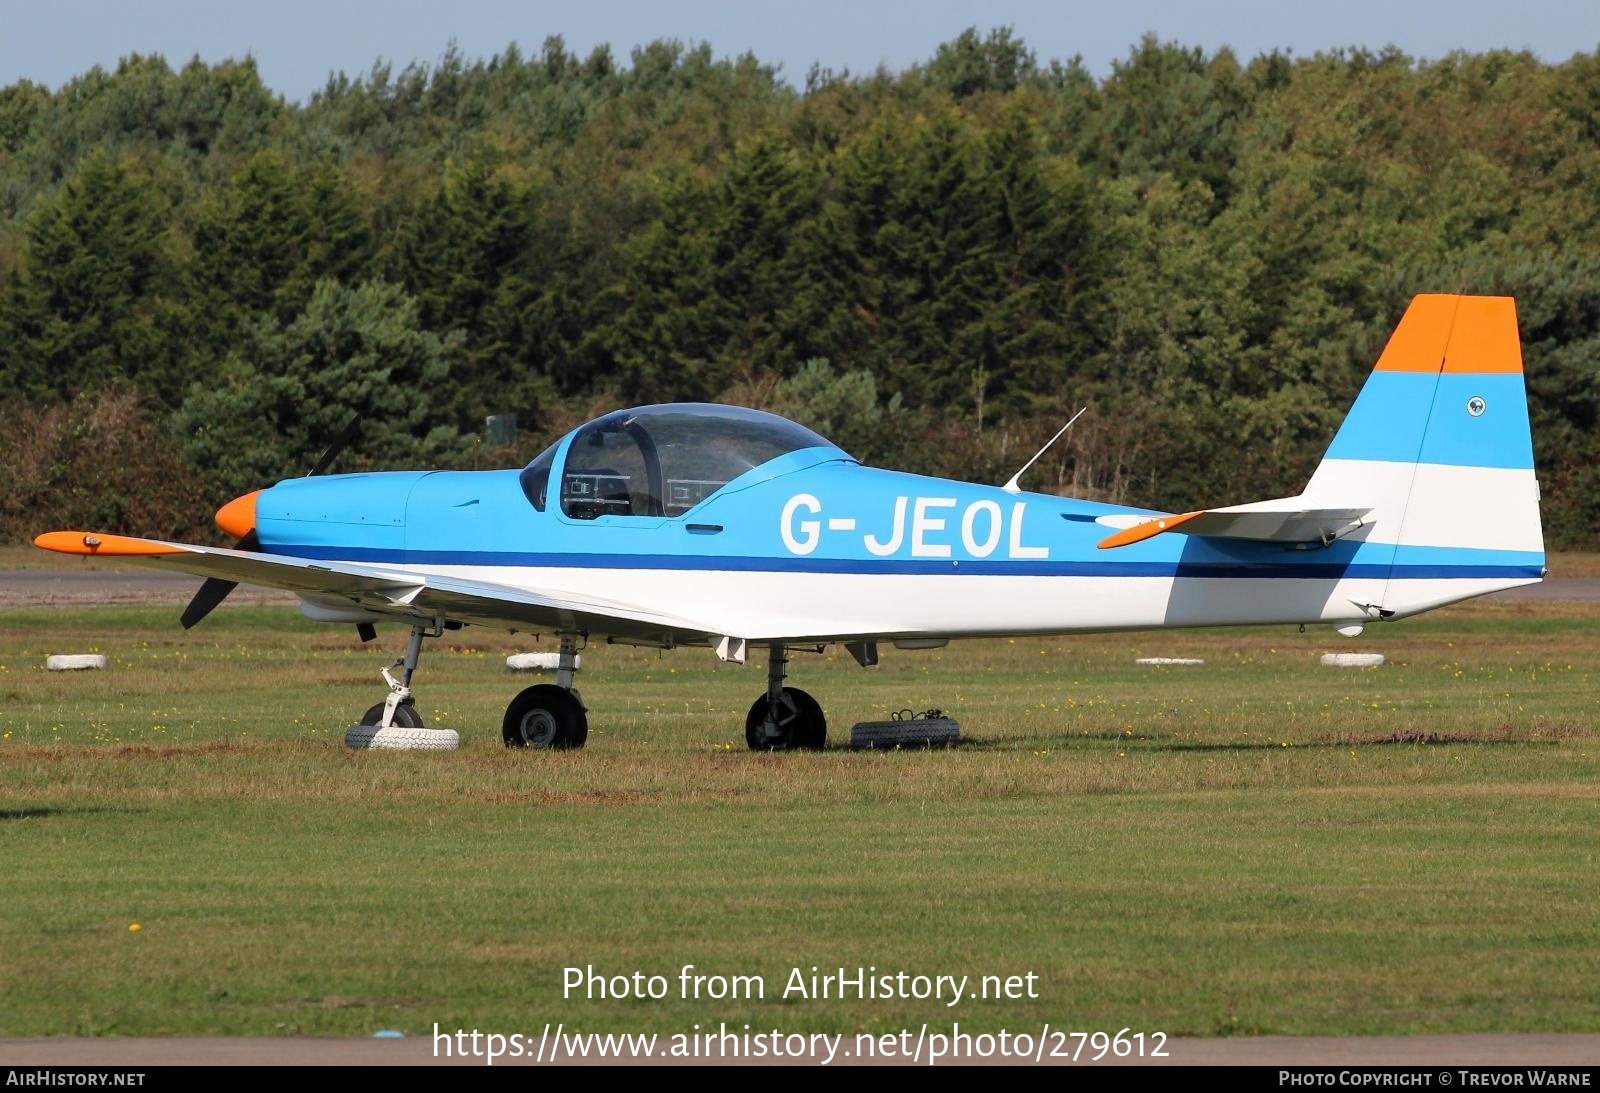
(1011, 486)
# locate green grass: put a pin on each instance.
(1262, 845)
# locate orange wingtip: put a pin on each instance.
(109, 546)
(1140, 532)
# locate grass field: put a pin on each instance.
(1260, 845)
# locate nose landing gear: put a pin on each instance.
(399, 710)
(394, 723)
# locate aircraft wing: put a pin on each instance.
(1286, 520)
(398, 593)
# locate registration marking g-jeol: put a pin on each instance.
(933, 529)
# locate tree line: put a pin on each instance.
(201, 282)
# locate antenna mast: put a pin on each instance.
(1011, 485)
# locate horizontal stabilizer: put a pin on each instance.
(1286, 520)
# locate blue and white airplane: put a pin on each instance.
(740, 531)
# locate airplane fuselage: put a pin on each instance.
(820, 547)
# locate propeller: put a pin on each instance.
(238, 518)
(351, 430)
(214, 589)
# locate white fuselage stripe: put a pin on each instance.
(825, 605)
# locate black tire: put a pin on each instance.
(545, 716)
(802, 726)
(813, 725)
(405, 716)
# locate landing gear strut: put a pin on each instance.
(549, 715)
(399, 710)
(784, 717)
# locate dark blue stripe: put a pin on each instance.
(1308, 570)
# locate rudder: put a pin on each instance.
(1439, 439)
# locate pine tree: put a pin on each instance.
(290, 389)
(93, 307)
(467, 254)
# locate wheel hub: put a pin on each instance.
(780, 718)
(538, 728)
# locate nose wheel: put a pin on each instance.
(405, 716)
(399, 710)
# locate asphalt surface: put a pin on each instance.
(1558, 588)
(87, 587)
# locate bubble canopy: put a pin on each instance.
(662, 460)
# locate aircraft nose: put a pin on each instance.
(238, 517)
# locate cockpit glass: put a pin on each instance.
(535, 477)
(606, 475)
(665, 460)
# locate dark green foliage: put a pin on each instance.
(20, 105)
(972, 65)
(661, 334)
(93, 307)
(262, 243)
(470, 255)
(278, 402)
(844, 407)
(1169, 110)
(1208, 251)
(191, 116)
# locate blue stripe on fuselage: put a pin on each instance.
(1413, 563)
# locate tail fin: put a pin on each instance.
(1438, 441)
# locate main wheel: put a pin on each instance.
(545, 716)
(800, 723)
(405, 716)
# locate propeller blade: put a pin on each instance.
(214, 590)
(340, 443)
(211, 593)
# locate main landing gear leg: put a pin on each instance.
(549, 715)
(784, 717)
(399, 710)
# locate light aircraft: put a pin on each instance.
(737, 530)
